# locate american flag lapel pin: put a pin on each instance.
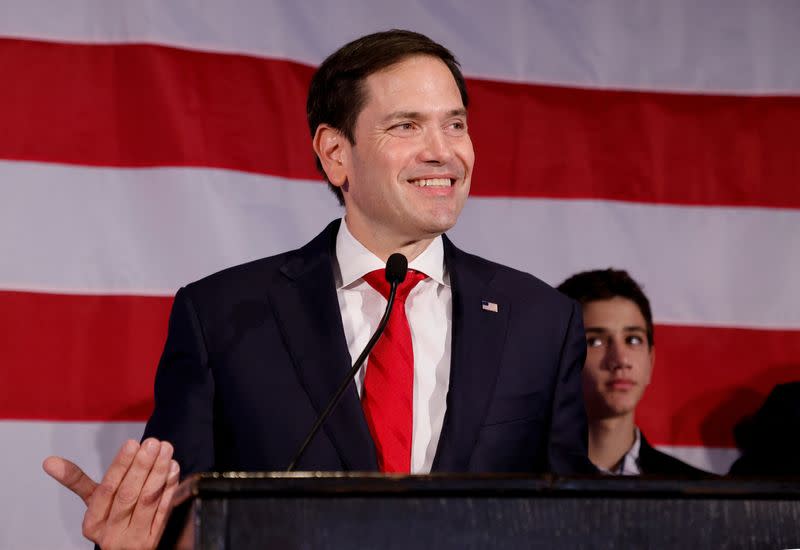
(488, 306)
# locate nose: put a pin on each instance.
(616, 355)
(436, 147)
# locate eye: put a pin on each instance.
(634, 340)
(593, 342)
(457, 127)
(403, 128)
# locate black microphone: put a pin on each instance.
(396, 269)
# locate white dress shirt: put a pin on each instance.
(429, 309)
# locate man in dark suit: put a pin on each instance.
(484, 361)
(620, 357)
(254, 353)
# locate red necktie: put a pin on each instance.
(387, 397)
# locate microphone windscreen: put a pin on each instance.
(396, 268)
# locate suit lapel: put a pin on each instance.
(306, 305)
(478, 341)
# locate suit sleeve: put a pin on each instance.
(567, 446)
(184, 391)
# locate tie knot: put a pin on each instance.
(377, 280)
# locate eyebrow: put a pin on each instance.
(633, 328)
(418, 115)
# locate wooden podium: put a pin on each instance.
(322, 510)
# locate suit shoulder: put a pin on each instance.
(243, 281)
(655, 462)
(523, 285)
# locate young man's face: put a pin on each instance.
(408, 174)
(619, 361)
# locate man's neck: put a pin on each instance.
(378, 241)
(610, 439)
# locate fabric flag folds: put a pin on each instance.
(145, 145)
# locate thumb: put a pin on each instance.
(70, 476)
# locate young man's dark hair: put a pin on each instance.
(336, 95)
(604, 284)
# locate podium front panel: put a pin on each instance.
(449, 512)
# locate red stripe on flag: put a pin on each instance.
(707, 379)
(68, 357)
(143, 105)
(140, 106)
(94, 358)
(635, 146)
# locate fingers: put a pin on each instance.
(134, 499)
(130, 489)
(165, 505)
(100, 503)
(70, 476)
(153, 491)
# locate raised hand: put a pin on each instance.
(130, 506)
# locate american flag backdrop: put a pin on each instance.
(146, 144)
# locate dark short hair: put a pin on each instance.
(604, 284)
(337, 96)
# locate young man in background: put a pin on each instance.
(620, 354)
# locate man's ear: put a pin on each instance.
(331, 149)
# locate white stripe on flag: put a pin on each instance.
(735, 46)
(148, 231)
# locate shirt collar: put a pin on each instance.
(630, 466)
(353, 260)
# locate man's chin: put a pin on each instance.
(609, 411)
(425, 228)
(442, 222)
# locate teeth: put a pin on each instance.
(434, 182)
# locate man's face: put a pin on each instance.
(409, 172)
(619, 361)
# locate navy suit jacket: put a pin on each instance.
(654, 462)
(254, 353)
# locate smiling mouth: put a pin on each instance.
(432, 182)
